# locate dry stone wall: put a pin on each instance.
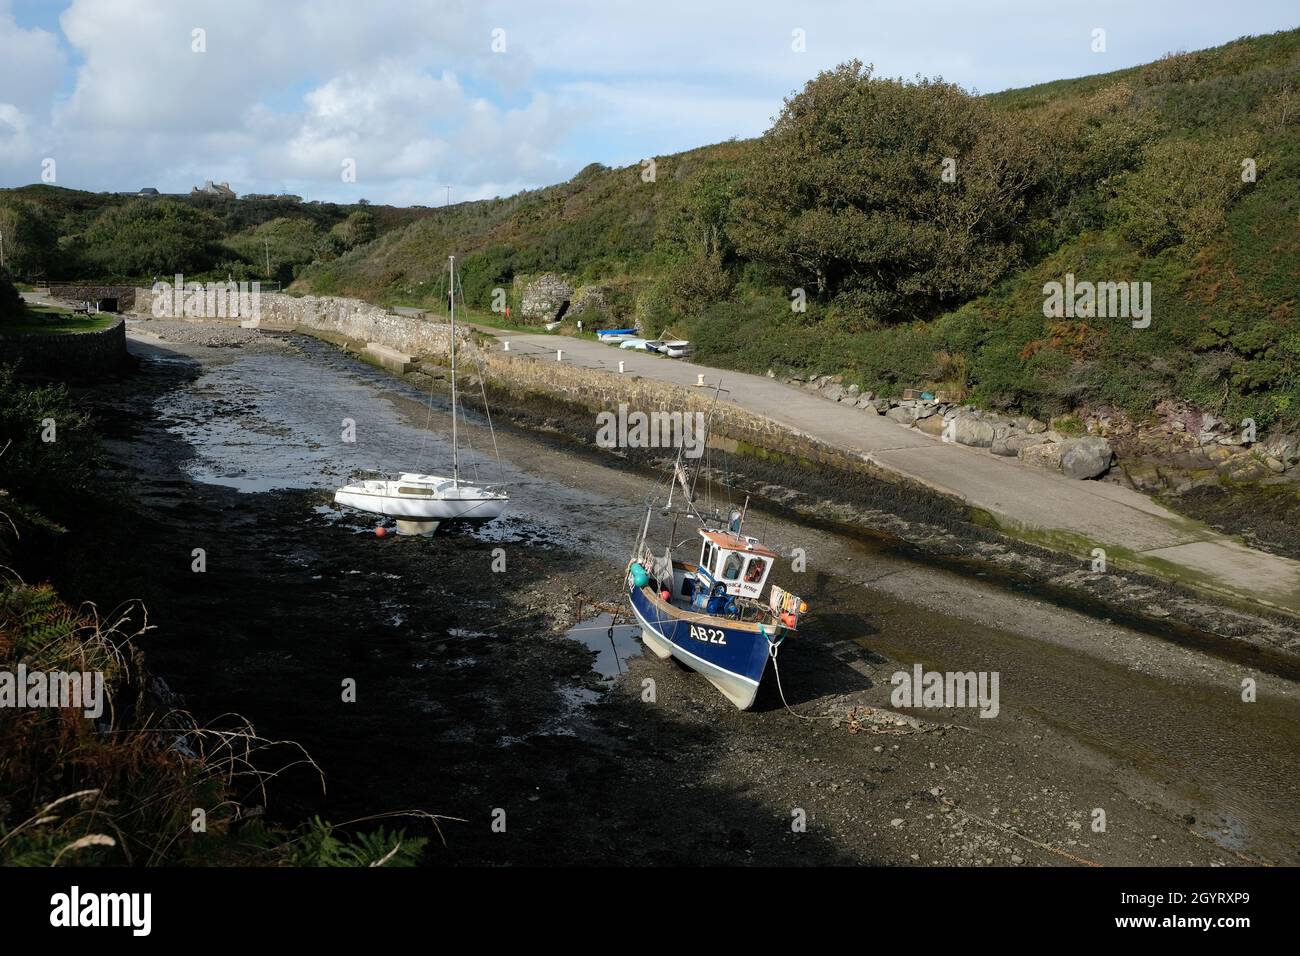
(81, 356)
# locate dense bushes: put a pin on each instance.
(893, 197)
(31, 241)
(1180, 193)
(150, 238)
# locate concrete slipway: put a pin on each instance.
(1048, 509)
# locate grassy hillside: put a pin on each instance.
(1128, 176)
(909, 279)
(57, 233)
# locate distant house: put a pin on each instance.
(147, 191)
(209, 188)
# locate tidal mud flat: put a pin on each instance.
(472, 698)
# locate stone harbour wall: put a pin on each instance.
(83, 356)
(126, 295)
(349, 318)
(733, 428)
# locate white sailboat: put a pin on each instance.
(421, 502)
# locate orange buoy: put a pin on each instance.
(380, 531)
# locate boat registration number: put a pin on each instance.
(710, 635)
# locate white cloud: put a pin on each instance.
(31, 68)
(411, 89)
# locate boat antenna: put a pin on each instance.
(708, 421)
(482, 381)
(455, 453)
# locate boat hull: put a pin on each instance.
(732, 656)
(442, 508)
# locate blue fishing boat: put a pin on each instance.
(710, 613)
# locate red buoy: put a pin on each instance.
(380, 531)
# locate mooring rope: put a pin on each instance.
(772, 648)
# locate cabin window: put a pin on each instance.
(731, 569)
(754, 573)
(707, 557)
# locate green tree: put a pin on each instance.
(356, 230)
(150, 237)
(846, 194)
(286, 243)
(29, 239)
(1181, 192)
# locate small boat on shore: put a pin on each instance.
(615, 335)
(677, 348)
(423, 498)
(641, 345)
(420, 502)
(710, 613)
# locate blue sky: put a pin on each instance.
(413, 93)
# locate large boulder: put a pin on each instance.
(932, 426)
(1043, 455)
(1011, 444)
(901, 414)
(1085, 457)
(1284, 448)
(968, 430)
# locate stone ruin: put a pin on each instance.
(593, 300)
(545, 299)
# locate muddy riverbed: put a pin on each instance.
(476, 700)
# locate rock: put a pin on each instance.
(902, 414)
(869, 408)
(1043, 455)
(1285, 448)
(968, 430)
(833, 392)
(1247, 468)
(1275, 465)
(1180, 482)
(931, 425)
(1086, 457)
(925, 411)
(1144, 475)
(854, 389)
(1010, 445)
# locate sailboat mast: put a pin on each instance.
(455, 449)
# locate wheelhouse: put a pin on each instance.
(736, 561)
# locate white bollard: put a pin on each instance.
(699, 380)
(559, 355)
(505, 347)
(620, 368)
